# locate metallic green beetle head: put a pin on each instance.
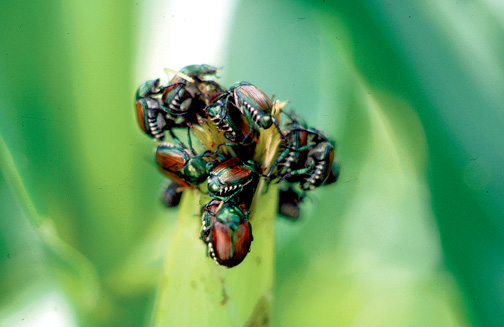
(147, 88)
(195, 170)
(231, 215)
(199, 71)
(216, 110)
(265, 122)
(213, 184)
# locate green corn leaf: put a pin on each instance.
(67, 265)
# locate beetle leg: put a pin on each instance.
(306, 147)
(224, 144)
(300, 171)
(232, 195)
(279, 130)
(246, 137)
(176, 139)
(277, 162)
(205, 230)
(283, 155)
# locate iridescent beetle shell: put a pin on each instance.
(180, 164)
(234, 126)
(253, 102)
(241, 111)
(153, 120)
(320, 158)
(187, 91)
(308, 157)
(227, 232)
(229, 177)
(177, 98)
(199, 72)
(297, 136)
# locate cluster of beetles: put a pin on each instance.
(229, 123)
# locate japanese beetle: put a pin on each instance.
(288, 203)
(236, 111)
(171, 195)
(295, 144)
(234, 126)
(210, 90)
(227, 232)
(153, 120)
(199, 72)
(253, 103)
(229, 177)
(317, 167)
(183, 95)
(307, 157)
(180, 164)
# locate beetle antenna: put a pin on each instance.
(291, 115)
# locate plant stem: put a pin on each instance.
(194, 291)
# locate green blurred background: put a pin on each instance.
(412, 234)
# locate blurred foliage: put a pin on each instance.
(412, 235)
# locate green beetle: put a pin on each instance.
(253, 103)
(152, 118)
(230, 176)
(317, 168)
(181, 164)
(297, 140)
(241, 112)
(226, 231)
(189, 91)
(234, 125)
